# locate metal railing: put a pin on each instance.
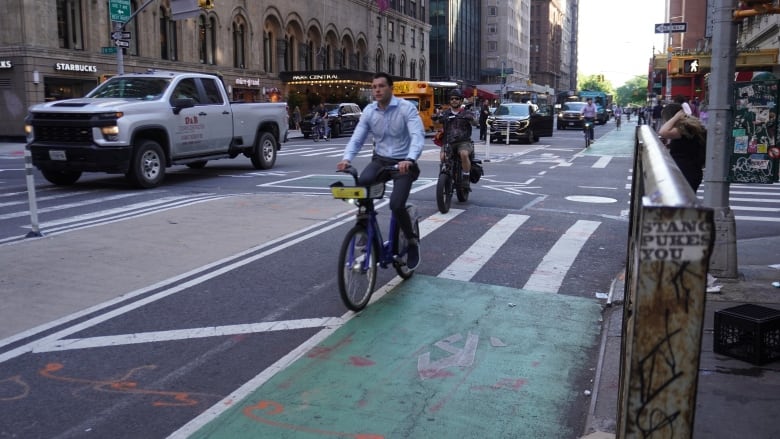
(669, 246)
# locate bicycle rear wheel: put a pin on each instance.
(400, 245)
(444, 192)
(357, 268)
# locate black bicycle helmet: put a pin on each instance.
(456, 94)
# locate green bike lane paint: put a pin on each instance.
(433, 358)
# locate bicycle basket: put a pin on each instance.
(376, 190)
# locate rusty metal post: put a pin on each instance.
(670, 244)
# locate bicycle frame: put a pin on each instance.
(367, 213)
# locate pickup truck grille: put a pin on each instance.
(514, 125)
(62, 127)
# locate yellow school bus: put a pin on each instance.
(426, 95)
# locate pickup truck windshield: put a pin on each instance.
(131, 88)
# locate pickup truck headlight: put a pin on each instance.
(110, 133)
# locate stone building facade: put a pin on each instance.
(295, 50)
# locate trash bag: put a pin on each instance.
(476, 172)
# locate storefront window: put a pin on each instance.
(55, 89)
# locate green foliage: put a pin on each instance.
(594, 82)
(634, 91)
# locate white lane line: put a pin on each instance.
(185, 334)
(602, 162)
(69, 205)
(430, 224)
(756, 209)
(472, 260)
(753, 200)
(549, 274)
(758, 218)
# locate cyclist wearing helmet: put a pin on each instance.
(457, 123)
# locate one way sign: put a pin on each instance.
(665, 28)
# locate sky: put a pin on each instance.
(616, 37)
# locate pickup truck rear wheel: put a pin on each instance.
(264, 154)
(147, 167)
(61, 178)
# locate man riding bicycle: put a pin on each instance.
(457, 123)
(399, 136)
(320, 122)
(589, 114)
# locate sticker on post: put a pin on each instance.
(678, 240)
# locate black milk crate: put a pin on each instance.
(748, 332)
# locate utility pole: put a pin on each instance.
(723, 262)
(503, 80)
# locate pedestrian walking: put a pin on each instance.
(297, 117)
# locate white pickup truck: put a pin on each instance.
(138, 124)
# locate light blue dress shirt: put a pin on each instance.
(398, 131)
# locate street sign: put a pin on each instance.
(120, 10)
(120, 35)
(665, 28)
(122, 43)
(107, 50)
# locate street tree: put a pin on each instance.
(634, 91)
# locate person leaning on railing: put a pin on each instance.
(686, 139)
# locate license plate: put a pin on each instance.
(56, 154)
(571, 124)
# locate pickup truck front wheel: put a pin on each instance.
(264, 154)
(61, 178)
(147, 168)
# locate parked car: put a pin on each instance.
(570, 116)
(342, 119)
(524, 121)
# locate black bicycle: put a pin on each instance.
(451, 179)
(363, 248)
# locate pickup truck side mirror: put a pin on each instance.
(182, 103)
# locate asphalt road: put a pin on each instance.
(148, 313)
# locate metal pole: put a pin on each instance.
(669, 73)
(28, 168)
(720, 116)
(120, 61)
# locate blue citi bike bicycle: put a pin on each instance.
(587, 126)
(364, 248)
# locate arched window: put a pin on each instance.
(402, 66)
(268, 38)
(378, 61)
(134, 45)
(168, 39)
(212, 40)
(413, 69)
(289, 55)
(239, 43)
(422, 71)
(69, 29)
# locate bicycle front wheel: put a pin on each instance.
(357, 268)
(444, 192)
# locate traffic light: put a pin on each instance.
(206, 4)
(691, 65)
